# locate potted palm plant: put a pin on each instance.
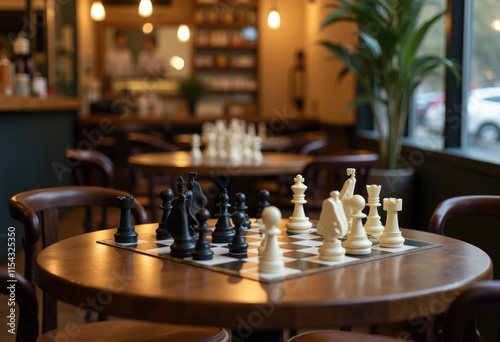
(386, 62)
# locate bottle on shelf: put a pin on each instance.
(6, 76)
(24, 64)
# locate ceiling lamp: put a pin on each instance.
(145, 8)
(97, 11)
(183, 33)
(273, 19)
(496, 24)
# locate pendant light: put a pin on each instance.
(97, 11)
(273, 19)
(183, 33)
(145, 8)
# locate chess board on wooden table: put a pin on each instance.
(300, 254)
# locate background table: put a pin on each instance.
(134, 285)
(223, 173)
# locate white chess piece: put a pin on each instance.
(357, 242)
(195, 147)
(332, 224)
(256, 149)
(210, 151)
(298, 222)
(346, 193)
(391, 237)
(271, 258)
(373, 225)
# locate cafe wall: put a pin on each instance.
(299, 30)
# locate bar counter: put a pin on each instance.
(28, 104)
(34, 133)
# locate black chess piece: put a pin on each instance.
(126, 231)
(238, 246)
(264, 196)
(167, 195)
(223, 230)
(178, 224)
(242, 207)
(199, 200)
(202, 249)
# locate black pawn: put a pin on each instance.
(242, 207)
(202, 249)
(126, 231)
(223, 230)
(238, 246)
(264, 196)
(167, 195)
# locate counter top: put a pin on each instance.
(24, 104)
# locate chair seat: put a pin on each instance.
(340, 336)
(133, 331)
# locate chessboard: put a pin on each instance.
(300, 254)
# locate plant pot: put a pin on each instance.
(396, 183)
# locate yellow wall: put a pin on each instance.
(327, 97)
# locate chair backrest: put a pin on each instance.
(26, 206)
(24, 296)
(315, 147)
(327, 173)
(88, 162)
(459, 323)
(463, 206)
(143, 142)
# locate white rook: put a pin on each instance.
(391, 237)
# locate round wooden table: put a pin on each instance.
(274, 163)
(405, 287)
(222, 173)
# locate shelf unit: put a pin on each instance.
(225, 55)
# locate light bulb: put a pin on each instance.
(273, 19)
(183, 33)
(177, 62)
(147, 28)
(496, 24)
(145, 8)
(97, 11)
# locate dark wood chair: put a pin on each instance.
(26, 206)
(27, 320)
(145, 143)
(328, 172)
(459, 322)
(91, 167)
(463, 206)
(119, 330)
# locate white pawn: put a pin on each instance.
(332, 224)
(391, 237)
(373, 225)
(271, 258)
(195, 147)
(298, 222)
(357, 242)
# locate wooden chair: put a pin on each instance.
(25, 208)
(27, 319)
(144, 143)
(459, 322)
(92, 167)
(463, 206)
(328, 172)
(123, 330)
